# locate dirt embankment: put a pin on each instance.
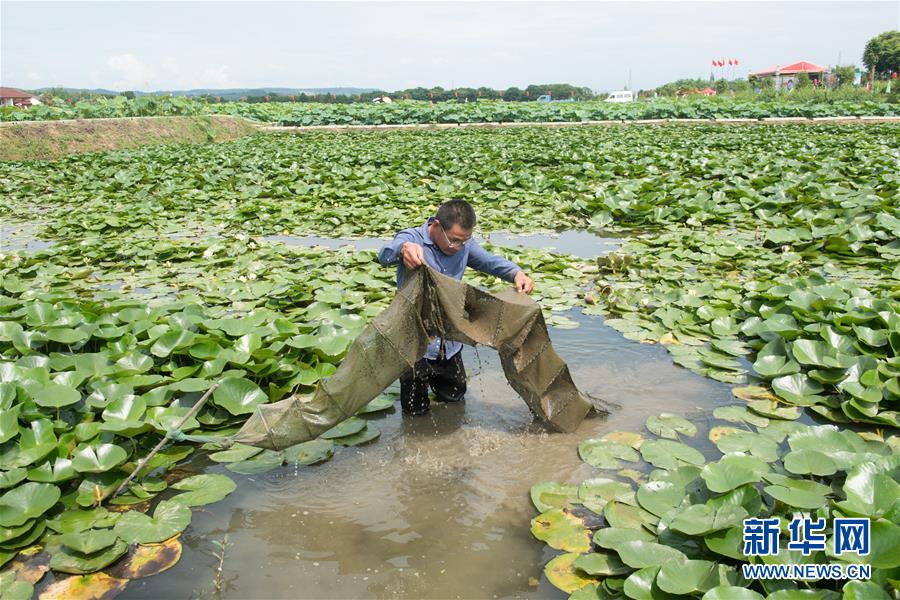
(49, 140)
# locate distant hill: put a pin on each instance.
(230, 94)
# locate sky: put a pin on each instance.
(151, 46)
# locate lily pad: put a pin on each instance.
(146, 560)
(562, 530)
(369, 433)
(98, 459)
(96, 586)
(344, 428)
(667, 454)
(239, 396)
(310, 453)
(203, 489)
(168, 519)
(605, 454)
(89, 541)
(668, 425)
(561, 572)
(70, 561)
(548, 495)
(28, 501)
(236, 453)
(261, 463)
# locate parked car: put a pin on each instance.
(621, 96)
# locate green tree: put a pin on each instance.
(802, 80)
(844, 74)
(513, 94)
(882, 54)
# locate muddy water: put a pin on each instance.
(438, 507)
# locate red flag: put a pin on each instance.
(729, 62)
(714, 63)
(735, 62)
(722, 63)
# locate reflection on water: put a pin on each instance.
(21, 236)
(438, 507)
(577, 243)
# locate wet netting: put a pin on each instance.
(429, 305)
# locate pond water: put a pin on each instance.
(582, 244)
(438, 507)
(21, 236)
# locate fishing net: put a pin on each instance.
(429, 305)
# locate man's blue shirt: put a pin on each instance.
(470, 255)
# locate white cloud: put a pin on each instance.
(131, 71)
(32, 76)
(217, 77)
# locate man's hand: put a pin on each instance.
(523, 283)
(413, 255)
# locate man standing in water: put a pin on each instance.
(445, 243)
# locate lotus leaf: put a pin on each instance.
(238, 396)
(152, 559)
(601, 564)
(28, 501)
(168, 519)
(639, 554)
(66, 561)
(98, 459)
(309, 453)
(561, 572)
(669, 426)
(667, 454)
(688, 577)
(548, 495)
(562, 530)
(701, 519)
(257, 464)
(369, 433)
(203, 489)
(89, 541)
(605, 454)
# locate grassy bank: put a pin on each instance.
(49, 140)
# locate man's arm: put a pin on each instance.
(390, 252)
(482, 260)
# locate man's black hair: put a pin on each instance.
(456, 212)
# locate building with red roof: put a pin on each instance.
(16, 97)
(785, 76)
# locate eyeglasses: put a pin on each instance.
(454, 243)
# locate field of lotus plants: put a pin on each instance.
(412, 111)
(766, 257)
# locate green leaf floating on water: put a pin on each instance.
(203, 489)
(548, 495)
(561, 530)
(239, 396)
(98, 459)
(605, 454)
(257, 464)
(71, 561)
(25, 502)
(689, 577)
(344, 428)
(54, 395)
(89, 541)
(669, 426)
(732, 471)
(310, 453)
(237, 452)
(603, 564)
(168, 519)
(368, 433)
(639, 554)
(667, 454)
